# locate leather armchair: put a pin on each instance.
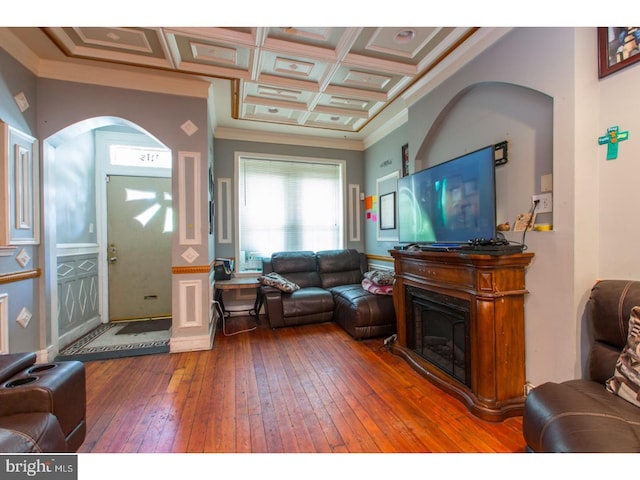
(42, 406)
(581, 415)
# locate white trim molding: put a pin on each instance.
(4, 323)
(224, 230)
(190, 218)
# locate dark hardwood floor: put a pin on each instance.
(302, 389)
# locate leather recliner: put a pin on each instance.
(582, 416)
(42, 406)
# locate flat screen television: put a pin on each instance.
(452, 202)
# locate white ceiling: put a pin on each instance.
(328, 81)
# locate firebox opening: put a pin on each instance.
(438, 331)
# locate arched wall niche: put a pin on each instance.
(487, 113)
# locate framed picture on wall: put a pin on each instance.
(385, 207)
(618, 47)
(19, 188)
(405, 160)
(388, 211)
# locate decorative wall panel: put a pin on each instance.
(19, 188)
(190, 219)
(190, 294)
(78, 300)
(4, 323)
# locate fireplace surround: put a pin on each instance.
(460, 321)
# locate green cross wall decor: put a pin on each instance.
(612, 138)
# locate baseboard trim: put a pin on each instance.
(190, 344)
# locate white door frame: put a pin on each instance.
(104, 139)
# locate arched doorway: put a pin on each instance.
(77, 162)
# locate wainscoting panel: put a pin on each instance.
(78, 299)
(190, 294)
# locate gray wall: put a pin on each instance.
(524, 89)
(14, 79)
(75, 190)
(381, 159)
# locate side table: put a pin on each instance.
(239, 283)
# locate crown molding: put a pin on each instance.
(110, 77)
(14, 47)
(229, 133)
(388, 126)
(475, 45)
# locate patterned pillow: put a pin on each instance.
(380, 277)
(276, 280)
(626, 378)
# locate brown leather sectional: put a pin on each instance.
(582, 416)
(42, 406)
(330, 290)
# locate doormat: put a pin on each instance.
(145, 326)
(104, 343)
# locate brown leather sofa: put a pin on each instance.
(582, 416)
(42, 406)
(330, 290)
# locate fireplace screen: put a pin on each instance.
(438, 331)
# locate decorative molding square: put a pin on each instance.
(189, 127)
(24, 317)
(190, 255)
(23, 258)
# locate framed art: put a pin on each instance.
(19, 188)
(385, 207)
(405, 160)
(618, 47)
(388, 211)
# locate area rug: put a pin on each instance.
(145, 326)
(107, 341)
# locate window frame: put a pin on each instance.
(342, 164)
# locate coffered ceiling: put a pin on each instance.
(332, 80)
(328, 77)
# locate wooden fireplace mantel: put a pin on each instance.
(494, 285)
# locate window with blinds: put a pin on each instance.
(287, 205)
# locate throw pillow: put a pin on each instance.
(626, 378)
(276, 280)
(371, 287)
(380, 277)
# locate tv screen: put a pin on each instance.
(452, 202)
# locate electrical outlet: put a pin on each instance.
(544, 204)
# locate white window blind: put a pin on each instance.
(287, 205)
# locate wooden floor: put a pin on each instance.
(302, 389)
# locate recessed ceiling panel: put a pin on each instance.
(138, 41)
(329, 77)
(212, 53)
(292, 67)
(326, 37)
